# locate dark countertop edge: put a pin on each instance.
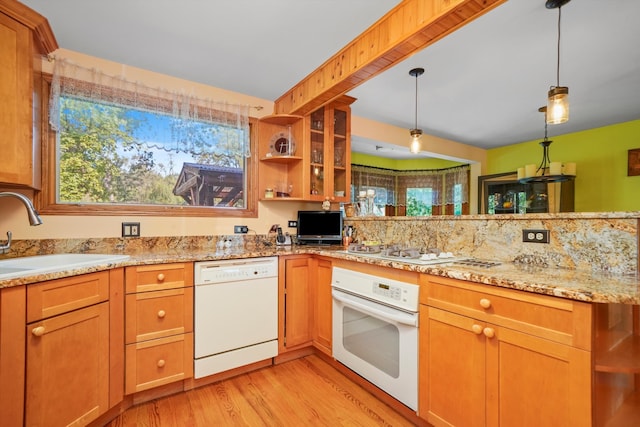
(568, 284)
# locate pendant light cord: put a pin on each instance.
(558, 62)
(416, 104)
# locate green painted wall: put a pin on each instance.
(602, 183)
(395, 164)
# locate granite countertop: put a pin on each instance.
(571, 284)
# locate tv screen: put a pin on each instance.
(320, 227)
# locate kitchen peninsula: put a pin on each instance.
(575, 305)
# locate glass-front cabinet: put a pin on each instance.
(504, 194)
(306, 157)
(329, 171)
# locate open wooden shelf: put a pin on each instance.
(628, 414)
(624, 357)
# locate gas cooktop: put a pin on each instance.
(415, 256)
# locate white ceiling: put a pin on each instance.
(482, 86)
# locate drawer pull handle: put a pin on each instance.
(476, 329)
(485, 303)
(161, 314)
(489, 332)
(38, 331)
(160, 277)
(160, 363)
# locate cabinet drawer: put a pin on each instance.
(146, 278)
(151, 315)
(154, 363)
(560, 320)
(59, 296)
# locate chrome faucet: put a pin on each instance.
(34, 218)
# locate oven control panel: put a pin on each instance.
(394, 293)
(387, 291)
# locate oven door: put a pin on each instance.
(378, 342)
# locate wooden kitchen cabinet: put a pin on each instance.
(322, 305)
(306, 158)
(617, 365)
(491, 357)
(24, 37)
(159, 325)
(281, 151)
(329, 167)
(294, 302)
(74, 348)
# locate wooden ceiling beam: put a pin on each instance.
(406, 29)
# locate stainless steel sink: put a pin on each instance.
(32, 265)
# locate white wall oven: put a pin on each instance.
(375, 331)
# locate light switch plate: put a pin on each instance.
(130, 229)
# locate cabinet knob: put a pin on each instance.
(489, 332)
(476, 329)
(161, 314)
(160, 277)
(485, 303)
(38, 331)
(160, 363)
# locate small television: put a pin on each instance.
(319, 227)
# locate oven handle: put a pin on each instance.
(374, 309)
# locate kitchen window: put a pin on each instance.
(414, 192)
(114, 150)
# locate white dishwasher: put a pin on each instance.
(236, 313)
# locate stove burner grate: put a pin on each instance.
(473, 262)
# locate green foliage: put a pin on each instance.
(416, 207)
(100, 160)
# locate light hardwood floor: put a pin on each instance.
(302, 392)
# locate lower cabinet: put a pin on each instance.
(159, 325)
(295, 277)
(322, 305)
(72, 359)
(508, 364)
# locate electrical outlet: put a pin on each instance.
(293, 224)
(535, 236)
(240, 229)
(130, 229)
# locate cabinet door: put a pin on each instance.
(322, 329)
(452, 369)
(297, 316)
(340, 148)
(536, 382)
(67, 379)
(16, 116)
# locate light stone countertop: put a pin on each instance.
(572, 284)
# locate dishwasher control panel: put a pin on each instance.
(206, 272)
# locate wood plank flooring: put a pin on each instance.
(302, 392)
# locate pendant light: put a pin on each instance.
(558, 96)
(548, 171)
(416, 133)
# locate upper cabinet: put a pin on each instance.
(24, 37)
(306, 158)
(330, 144)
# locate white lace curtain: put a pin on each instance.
(442, 181)
(73, 80)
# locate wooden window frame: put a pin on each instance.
(47, 204)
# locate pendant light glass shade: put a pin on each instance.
(558, 105)
(415, 147)
(558, 96)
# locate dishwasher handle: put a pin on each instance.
(377, 310)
